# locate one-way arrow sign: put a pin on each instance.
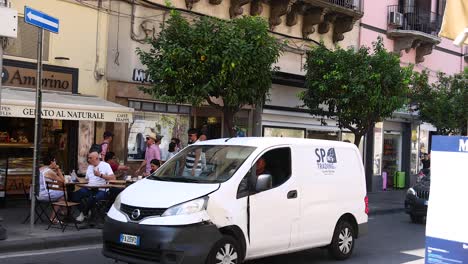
(39, 19)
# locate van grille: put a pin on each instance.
(144, 211)
(134, 252)
(423, 194)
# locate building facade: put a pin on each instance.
(74, 62)
(409, 28)
(304, 24)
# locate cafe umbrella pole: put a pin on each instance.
(37, 129)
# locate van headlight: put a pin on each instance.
(189, 207)
(411, 191)
(117, 202)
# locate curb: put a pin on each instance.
(30, 244)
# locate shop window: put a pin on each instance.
(147, 106)
(271, 131)
(164, 124)
(135, 105)
(25, 45)
(172, 108)
(327, 135)
(160, 107)
(183, 109)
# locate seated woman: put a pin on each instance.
(154, 164)
(50, 171)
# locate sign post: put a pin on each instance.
(447, 216)
(42, 21)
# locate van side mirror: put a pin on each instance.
(264, 182)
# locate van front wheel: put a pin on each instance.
(342, 244)
(225, 251)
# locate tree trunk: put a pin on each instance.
(229, 122)
(357, 139)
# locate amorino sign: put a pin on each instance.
(23, 74)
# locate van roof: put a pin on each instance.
(266, 142)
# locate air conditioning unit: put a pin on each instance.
(395, 19)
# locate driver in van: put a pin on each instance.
(260, 169)
(261, 166)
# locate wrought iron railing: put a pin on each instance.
(415, 18)
(350, 4)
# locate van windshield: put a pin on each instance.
(203, 164)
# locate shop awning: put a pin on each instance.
(21, 103)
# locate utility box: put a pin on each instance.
(8, 22)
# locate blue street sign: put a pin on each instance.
(39, 19)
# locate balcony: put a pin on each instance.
(316, 15)
(413, 28)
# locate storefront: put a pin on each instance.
(284, 115)
(393, 155)
(63, 112)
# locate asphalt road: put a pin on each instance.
(392, 239)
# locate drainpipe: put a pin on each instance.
(3, 41)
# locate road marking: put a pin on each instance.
(417, 253)
(48, 251)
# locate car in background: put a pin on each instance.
(417, 198)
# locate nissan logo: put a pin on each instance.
(135, 214)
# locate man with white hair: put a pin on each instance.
(98, 173)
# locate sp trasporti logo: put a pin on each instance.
(326, 158)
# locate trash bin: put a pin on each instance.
(399, 180)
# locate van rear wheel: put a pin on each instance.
(225, 251)
(342, 244)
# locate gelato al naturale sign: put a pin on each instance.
(65, 114)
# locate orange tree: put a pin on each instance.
(443, 103)
(355, 88)
(227, 64)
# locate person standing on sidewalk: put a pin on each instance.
(152, 152)
(108, 136)
(193, 165)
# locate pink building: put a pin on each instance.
(409, 28)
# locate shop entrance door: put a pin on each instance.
(391, 161)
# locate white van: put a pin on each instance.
(312, 193)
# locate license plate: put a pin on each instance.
(129, 239)
(425, 202)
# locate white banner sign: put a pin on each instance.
(65, 114)
(447, 216)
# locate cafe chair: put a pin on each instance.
(64, 214)
(40, 208)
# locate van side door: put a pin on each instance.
(275, 211)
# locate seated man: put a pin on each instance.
(98, 173)
(261, 166)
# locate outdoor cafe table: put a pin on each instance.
(94, 188)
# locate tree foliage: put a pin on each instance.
(443, 103)
(227, 64)
(355, 88)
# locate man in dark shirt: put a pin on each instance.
(426, 161)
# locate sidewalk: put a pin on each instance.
(20, 238)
